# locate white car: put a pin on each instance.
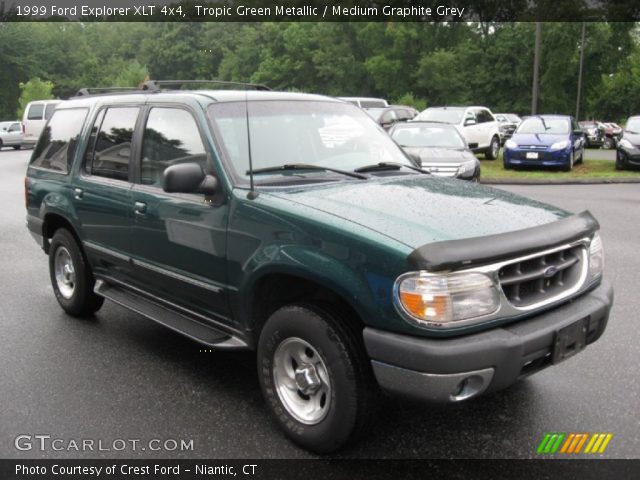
(366, 102)
(35, 116)
(10, 134)
(476, 124)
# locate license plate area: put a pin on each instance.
(532, 155)
(570, 340)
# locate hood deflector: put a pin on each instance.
(468, 252)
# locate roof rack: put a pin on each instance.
(83, 92)
(156, 85)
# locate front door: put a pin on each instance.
(178, 240)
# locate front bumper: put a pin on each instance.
(630, 156)
(546, 158)
(450, 370)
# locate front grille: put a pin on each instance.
(541, 278)
(441, 169)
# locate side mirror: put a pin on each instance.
(188, 178)
(469, 121)
(473, 145)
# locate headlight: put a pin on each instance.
(434, 300)
(560, 145)
(510, 144)
(625, 143)
(467, 166)
(596, 257)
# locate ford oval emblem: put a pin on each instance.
(550, 271)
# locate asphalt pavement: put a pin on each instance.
(119, 376)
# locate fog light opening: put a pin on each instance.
(467, 388)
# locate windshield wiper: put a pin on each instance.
(377, 167)
(305, 166)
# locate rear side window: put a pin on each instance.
(171, 136)
(48, 110)
(35, 111)
(111, 147)
(57, 144)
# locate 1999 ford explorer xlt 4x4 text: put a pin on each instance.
(291, 224)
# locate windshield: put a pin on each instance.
(633, 125)
(324, 134)
(512, 117)
(554, 126)
(428, 136)
(444, 115)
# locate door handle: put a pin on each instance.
(140, 208)
(77, 193)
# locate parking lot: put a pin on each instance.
(120, 376)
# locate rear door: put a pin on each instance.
(102, 189)
(178, 240)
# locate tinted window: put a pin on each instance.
(57, 144)
(112, 146)
(35, 111)
(483, 116)
(171, 136)
(48, 111)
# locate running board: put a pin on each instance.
(198, 331)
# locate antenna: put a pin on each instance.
(252, 195)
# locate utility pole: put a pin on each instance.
(580, 72)
(536, 69)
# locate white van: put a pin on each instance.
(35, 116)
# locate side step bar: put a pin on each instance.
(198, 331)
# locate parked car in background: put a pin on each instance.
(628, 148)
(35, 116)
(612, 132)
(438, 148)
(477, 125)
(11, 134)
(508, 123)
(387, 117)
(366, 102)
(545, 141)
(594, 133)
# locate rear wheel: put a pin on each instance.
(494, 149)
(315, 377)
(71, 276)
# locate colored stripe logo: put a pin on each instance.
(574, 443)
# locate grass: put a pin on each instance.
(589, 169)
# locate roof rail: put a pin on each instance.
(83, 92)
(155, 85)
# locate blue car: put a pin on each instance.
(545, 141)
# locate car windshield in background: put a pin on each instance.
(557, 126)
(442, 115)
(633, 125)
(428, 136)
(375, 113)
(513, 118)
(323, 134)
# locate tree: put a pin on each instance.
(34, 89)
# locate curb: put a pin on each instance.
(568, 181)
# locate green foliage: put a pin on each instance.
(486, 63)
(34, 89)
(409, 99)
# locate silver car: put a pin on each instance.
(11, 134)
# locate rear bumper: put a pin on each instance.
(449, 370)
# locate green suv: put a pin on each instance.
(292, 225)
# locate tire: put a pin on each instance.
(1, 145)
(609, 143)
(619, 161)
(16, 147)
(569, 167)
(71, 276)
(492, 152)
(308, 356)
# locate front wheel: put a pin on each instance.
(315, 377)
(71, 276)
(493, 150)
(569, 166)
(619, 161)
(16, 147)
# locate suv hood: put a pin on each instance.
(419, 209)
